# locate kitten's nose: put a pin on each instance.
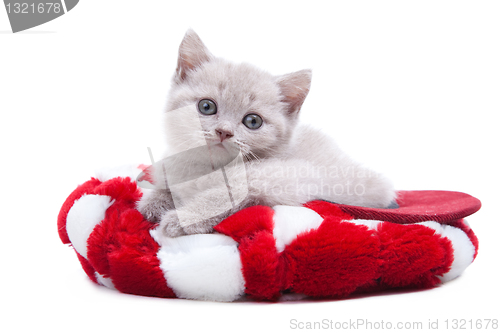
(223, 134)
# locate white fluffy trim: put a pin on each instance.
(128, 170)
(104, 281)
(290, 221)
(204, 266)
(463, 249)
(83, 216)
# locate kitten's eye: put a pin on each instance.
(207, 107)
(252, 121)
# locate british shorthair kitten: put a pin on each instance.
(235, 141)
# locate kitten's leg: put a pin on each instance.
(169, 224)
(200, 214)
(369, 189)
(155, 203)
(295, 182)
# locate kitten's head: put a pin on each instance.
(235, 103)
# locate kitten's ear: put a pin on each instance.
(192, 54)
(294, 89)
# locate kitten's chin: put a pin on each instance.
(223, 151)
(224, 146)
(216, 147)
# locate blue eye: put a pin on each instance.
(252, 121)
(207, 107)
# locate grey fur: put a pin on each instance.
(275, 152)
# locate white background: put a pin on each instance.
(411, 88)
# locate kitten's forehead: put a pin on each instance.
(232, 83)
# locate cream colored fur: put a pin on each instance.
(286, 163)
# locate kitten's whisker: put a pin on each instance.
(255, 156)
(247, 157)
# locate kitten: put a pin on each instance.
(221, 111)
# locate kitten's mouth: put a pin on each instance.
(217, 145)
(223, 147)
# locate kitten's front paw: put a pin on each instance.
(170, 224)
(192, 224)
(379, 193)
(204, 227)
(153, 205)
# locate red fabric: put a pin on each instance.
(260, 265)
(335, 260)
(123, 190)
(420, 206)
(85, 188)
(325, 209)
(125, 194)
(122, 248)
(246, 222)
(326, 259)
(412, 256)
(263, 268)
